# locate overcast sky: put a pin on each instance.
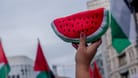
(23, 21)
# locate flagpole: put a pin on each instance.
(38, 40)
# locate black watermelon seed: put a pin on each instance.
(60, 26)
(80, 18)
(95, 23)
(73, 30)
(93, 17)
(72, 25)
(68, 30)
(92, 22)
(88, 17)
(86, 22)
(82, 30)
(74, 19)
(86, 30)
(78, 31)
(91, 27)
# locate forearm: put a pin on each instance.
(84, 56)
(82, 71)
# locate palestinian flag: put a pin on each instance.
(96, 71)
(122, 25)
(4, 66)
(41, 66)
(91, 72)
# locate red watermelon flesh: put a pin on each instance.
(69, 28)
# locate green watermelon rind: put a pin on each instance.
(93, 37)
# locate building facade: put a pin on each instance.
(123, 65)
(93, 4)
(21, 67)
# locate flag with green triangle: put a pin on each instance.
(122, 25)
(41, 66)
(4, 66)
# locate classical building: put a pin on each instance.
(123, 65)
(21, 67)
(93, 4)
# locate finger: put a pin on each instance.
(75, 45)
(86, 44)
(96, 44)
(95, 41)
(82, 39)
(92, 49)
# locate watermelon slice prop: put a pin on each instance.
(94, 23)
